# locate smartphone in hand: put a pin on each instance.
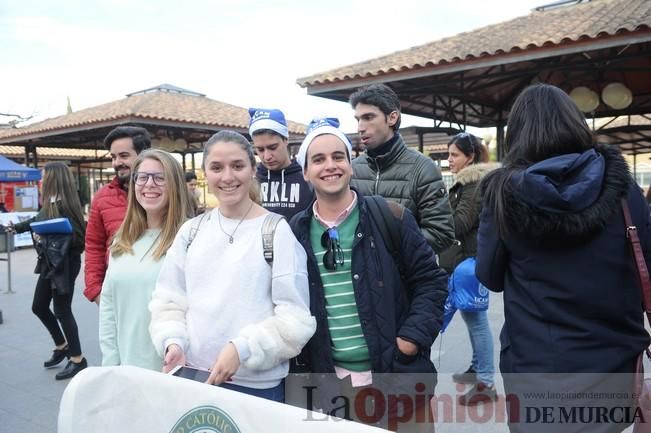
(191, 373)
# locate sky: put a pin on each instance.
(243, 52)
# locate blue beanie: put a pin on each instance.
(263, 118)
(326, 125)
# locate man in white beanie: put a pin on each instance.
(282, 187)
(378, 302)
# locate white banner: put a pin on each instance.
(130, 399)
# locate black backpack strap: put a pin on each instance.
(388, 216)
(268, 230)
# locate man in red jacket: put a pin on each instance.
(110, 204)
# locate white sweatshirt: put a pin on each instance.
(215, 292)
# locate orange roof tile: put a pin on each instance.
(54, 152)
(163, 106)
(597, 18)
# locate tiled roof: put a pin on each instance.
(558, 26)
(53, 152)
(163, 106)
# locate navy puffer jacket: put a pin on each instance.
(388, 308)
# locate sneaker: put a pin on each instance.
(480, 393)
(468, 377)
(71, 369)
(58, 355)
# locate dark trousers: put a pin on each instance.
(277, 393)
(44, 294)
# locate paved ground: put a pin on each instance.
(29, 395)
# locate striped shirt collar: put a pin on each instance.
(340, 218)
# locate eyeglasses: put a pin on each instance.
(334, 255)
(141, 178)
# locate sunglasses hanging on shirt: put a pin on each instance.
(334, 255)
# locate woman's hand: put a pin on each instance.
(173, 356)
(225, 367)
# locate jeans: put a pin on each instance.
(277, 393)
(481, 340)
(44, 295)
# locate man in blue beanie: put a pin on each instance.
(283, 189)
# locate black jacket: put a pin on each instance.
(413, 180)
(54, 261)
(388, 308)
(465, 201)
(55, 251)
(571, 299)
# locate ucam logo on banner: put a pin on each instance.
(133, 400)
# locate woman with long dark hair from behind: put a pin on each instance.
(552, 237)
(60, 200)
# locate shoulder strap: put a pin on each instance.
(268, 230)
(387, 215)
(645, 286)
(638, 259)
(195, 229)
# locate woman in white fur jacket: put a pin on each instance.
(218, 305)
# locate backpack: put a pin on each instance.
(268, 230)
(387, 216)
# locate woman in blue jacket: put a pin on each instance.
(552, 237)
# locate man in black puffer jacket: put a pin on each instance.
(398, 173)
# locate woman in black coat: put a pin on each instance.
(60, 199)
(552, 237)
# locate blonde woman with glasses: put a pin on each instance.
(158, 204)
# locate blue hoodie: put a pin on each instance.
(565, 183)
(284, 192)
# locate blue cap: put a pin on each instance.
(268, 118)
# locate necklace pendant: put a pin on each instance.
(230, 239)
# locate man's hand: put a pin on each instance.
(173, 356)
(96, 300)
(226, 365)
(406, 347)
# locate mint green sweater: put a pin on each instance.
(123, 314)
